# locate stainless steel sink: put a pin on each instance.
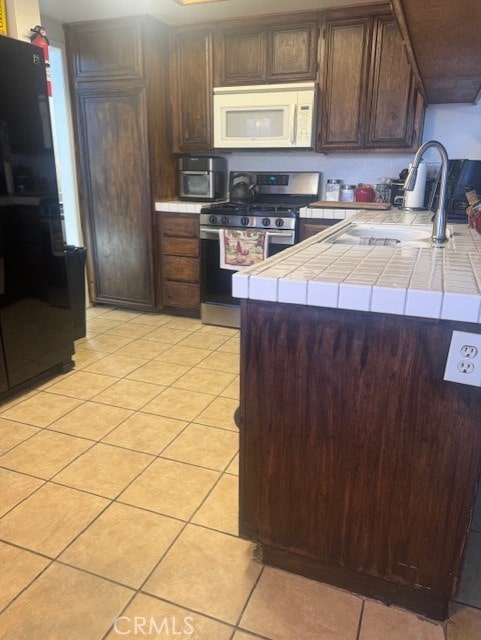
(388, 235)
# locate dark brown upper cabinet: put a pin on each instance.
(119, 86)
(261, 52)
(369, 95)
(191, 90)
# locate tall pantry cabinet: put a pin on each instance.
(119, 78)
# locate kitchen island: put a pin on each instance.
(359, 463)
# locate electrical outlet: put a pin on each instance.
(464, 359)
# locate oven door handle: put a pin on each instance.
(209, 233)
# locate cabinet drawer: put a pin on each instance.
(177, 225)
(186, 247)
(181, 269)
(181, 294)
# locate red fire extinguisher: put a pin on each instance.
(39, 38)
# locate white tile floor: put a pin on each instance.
(118, 506)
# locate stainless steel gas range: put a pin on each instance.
(271, 205)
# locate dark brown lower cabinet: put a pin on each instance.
(179, 277)
(358, 463)
(309, 227)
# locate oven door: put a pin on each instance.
(218, 306)
(196, 185)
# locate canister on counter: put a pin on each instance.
(333, 190)
(348, 192)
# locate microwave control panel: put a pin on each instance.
(304, 125)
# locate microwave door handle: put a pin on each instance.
(293, 126)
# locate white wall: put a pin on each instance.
(457, 126)
(22, 15)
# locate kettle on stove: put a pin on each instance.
(242, 190)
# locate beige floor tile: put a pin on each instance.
(152, 319)
(187, 324)
(41, 409)
(232, 390)
(129, 394)
(104, 470)
(464, 623)
(126, 315)
(67, 603)
(116, 365)
(222, 361)
(242, 635)
(171, 488)
(204, 340)
(204, 381)
(220, 510)
(285, 606)
(16, 399)
(165, 620)
(232, 345)
(123, 544)
(168, 335)
(44, 454)
(146, 432)
(91, 420)
(158, 372)
(85, 357)
(50, 518)
(217, 330)
(101, 324)
(130, 330)
(196, 574)
(14, 487)
(106, 343)
(13, 433)
(380, 622)
(19, 568)
(189, 356)
(234, 466)
(146, 349)
(205, 446)
(95, 312)
(219, 413)
(177, 403)
(82, 385)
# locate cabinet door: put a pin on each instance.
(114, 165)
(309, 227)
(346, 56)
(106, 51)
(242, 56)
(192, 86)
(292, 52)
(393, 102)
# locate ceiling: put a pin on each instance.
(171, 12)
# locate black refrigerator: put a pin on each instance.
(35, 317)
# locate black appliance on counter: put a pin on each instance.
(266, 201)
(461, 174)
(35, 316)
(202, 178)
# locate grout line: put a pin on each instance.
(358, 634)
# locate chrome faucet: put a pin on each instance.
(439, 221)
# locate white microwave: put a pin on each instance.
(265, 116)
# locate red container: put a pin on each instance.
(364, 193)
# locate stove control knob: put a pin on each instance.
(213, 219)
(279, 222)
(244, 221)
(225, 220)
(266, 222)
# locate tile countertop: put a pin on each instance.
(421, 282)
(180, 206)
